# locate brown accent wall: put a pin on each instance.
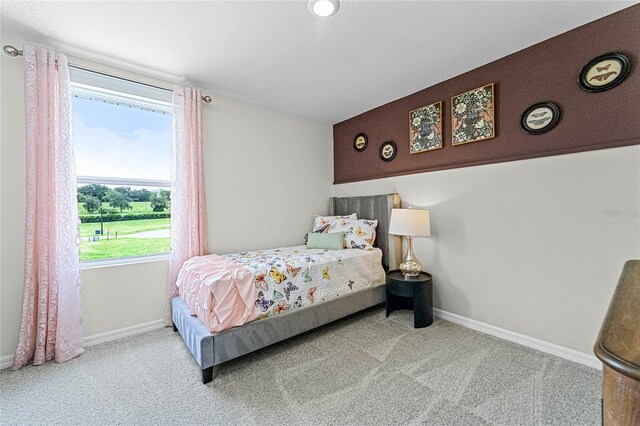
(547, 71)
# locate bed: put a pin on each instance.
(212, 349)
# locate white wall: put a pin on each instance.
(267, 173)
(535, 246)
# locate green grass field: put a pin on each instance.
(124, 227)
(122, 247)
(138, 207)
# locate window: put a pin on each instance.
(122, 138)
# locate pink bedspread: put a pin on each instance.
(219, 292)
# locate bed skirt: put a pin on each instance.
(210, 350)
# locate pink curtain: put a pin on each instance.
(188, 201)
(51, 324)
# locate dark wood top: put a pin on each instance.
(396, 275)
(618, 344)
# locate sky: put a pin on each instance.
(120, 141)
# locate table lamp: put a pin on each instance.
(410, 223)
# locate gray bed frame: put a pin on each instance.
(211, 350)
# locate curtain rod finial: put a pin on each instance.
(207, 99)
(12, 51)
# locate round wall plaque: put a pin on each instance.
(360, 142)
(387, 151)
(540, 118)
(604, 72)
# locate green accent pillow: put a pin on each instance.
(331, 241)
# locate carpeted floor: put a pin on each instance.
(366, 370)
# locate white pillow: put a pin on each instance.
(322, 223)
(360, 233)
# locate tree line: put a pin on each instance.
(92, 196)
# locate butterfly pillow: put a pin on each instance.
(358, 234)
(322, 223)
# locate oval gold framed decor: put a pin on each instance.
(360, 142)
(604, 72)
(388, 151)
(540, 118)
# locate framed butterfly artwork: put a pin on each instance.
(540, 118)
(604, 72)
(387, 151)
(360, 142)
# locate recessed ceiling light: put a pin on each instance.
(324, 8)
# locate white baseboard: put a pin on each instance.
(6, 361)
(96, 339)
(108, 336)
(541, 345)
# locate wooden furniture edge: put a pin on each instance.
(623, 288)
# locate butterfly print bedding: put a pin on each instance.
(358, 234)
(298, 276)
(283, 280)
(310, 293)
(288, 289)
(262, 303)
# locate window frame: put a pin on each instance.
(100, 94)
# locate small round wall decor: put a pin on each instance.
(360, 142)
(540, 118)
(604, 72)
(388, 151)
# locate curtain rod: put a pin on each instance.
(13, 52)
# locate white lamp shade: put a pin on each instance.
(410, 223)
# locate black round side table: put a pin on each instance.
(414, 293)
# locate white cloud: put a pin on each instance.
(101, 152)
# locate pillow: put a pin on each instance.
(322, 223)
(332, 241)
(306, 237)
(360, 234)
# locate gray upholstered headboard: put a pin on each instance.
(374, 207)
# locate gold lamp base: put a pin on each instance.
(410, 266)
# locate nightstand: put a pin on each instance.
(414, 293)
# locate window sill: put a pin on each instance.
(122, 261)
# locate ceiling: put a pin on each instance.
(276, 54)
